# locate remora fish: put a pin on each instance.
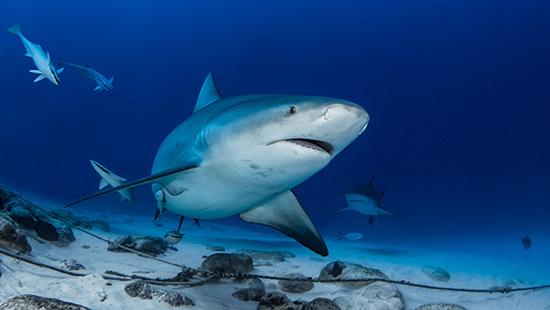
(365, 199)
(243, 155)
(86, 72)
(41, 59)
(109, 178)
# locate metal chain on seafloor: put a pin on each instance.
(209, 277)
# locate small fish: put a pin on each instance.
(86, 72)
(173, 237)
(354, 236)
(41, 59)
(336, 270)
(526, 241)
(109, 178)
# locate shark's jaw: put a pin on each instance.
(317, 145)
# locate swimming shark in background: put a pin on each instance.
(109, 178)
(243, 155)
(365, 199)
(86, 72)
(41, 59)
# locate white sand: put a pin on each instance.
(485, 270)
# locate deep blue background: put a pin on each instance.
(458, 93)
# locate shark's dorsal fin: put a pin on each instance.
(209, 93)
(49, 60)
(285, 214)
(103, 183)
(164, 178)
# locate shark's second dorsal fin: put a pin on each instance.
(209, 93)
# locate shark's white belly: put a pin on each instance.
(210, 193)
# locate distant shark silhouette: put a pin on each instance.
(365, 199)
(243, 155)
(86, 72)
(41, 59)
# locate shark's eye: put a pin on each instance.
(292, 109)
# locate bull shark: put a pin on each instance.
(41, 59)
(109, 178)
(365, 199)
(243, 155)
(86, 72)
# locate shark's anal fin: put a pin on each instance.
(164, 178)
(103, 183)
(285, 214)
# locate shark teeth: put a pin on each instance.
(313, 144)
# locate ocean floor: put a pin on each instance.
(479, 268)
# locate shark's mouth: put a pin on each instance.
(313, 144)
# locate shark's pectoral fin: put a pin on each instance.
(97, 87)
(165, 178)
(285, 214)
(39, 78)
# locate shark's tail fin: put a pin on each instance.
(15, 29)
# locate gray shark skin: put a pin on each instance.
(41, 59)
(86, 72)
(243, 155)
(365, 199)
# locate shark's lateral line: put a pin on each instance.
(365, 199)
(243, 155)
(86, 72)
(41, 59)
(109, 178)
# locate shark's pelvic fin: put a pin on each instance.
(35, 71)
(39, 78)
(209, 93)
(60, 70)
(98, 88)
(285, 214)
(164, 178)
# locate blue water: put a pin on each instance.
(458, 93)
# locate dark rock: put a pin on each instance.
(436, 273)
(12, 237)
(144, 244)
(215, 248)
(71, 264)
(254, 292)
(46, 230)
(277, 301)
(440, 307)
(275, 256)
(23, 217)
(350, 271)
(377, 295)
(138, 288)
(25, 302)
(69, 217)
(295, 286)
(228, 263)
(322, 304)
